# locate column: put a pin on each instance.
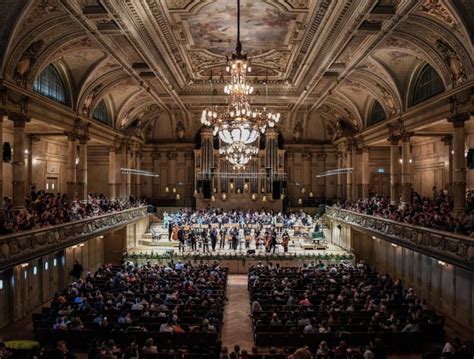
(340, 160)
(394, 170)
(2, 115)
(321, 157)
(459, 162)
(349, 175)
(355, 173)
(29, 163)
(128, 189)
(19, 170)
(123, 164)
(71, 166)
(82, 170)
(448, 142)
(406, 169)
(155, 191)
(138, 182)
(112, 172)
(365, 173)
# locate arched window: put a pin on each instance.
(377, 113)
(427, 85)
(101, 114)
(50, 84)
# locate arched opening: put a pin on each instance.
(50, 84)
(427, 84)
(101, 114)
(377, 114)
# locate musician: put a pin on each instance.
(205, 241)
(285, 241)
(170, 230)
(213, 239)
(222, 239)
(273, 241)
(181, 234)
(268, 241)
(247, 236)
(235, 239)
(193, 240)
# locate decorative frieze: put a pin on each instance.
(448, 247)
(21, 247)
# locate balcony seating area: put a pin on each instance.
(427, 212)
(44, 209)
(158, 309)
(340, 306)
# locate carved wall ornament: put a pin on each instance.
(388, 99)
(86, 108)
(26, 61)
(438, 10)
(298, 130)
(456, 67)
(180, 130)
(450, 247)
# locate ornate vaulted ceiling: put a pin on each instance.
(158, 62)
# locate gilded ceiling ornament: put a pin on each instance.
(26, 62)
(458, 74)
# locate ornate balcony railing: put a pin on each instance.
(446, 246)
(20, 247)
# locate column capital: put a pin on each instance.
(458, 119)
(71, 135)
(447, 140)
(393, 139)
(19, 120)
(83, 140)
(405, 136)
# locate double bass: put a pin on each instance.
(174, 233)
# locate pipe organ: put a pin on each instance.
(247, 188)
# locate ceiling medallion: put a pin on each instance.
(238, 126)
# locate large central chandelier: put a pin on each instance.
(238, 126)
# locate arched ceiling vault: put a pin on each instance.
(320, 60)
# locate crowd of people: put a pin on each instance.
(434, 212)
(43, 209)
(213, 229)
(335, 302)
(134, 305)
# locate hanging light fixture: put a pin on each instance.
(238, 126)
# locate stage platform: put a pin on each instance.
(156, 247)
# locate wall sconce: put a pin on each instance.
(254, 196)
(246, 187)
(303, 190)
(178, 197)
(195, 192)
(311, 195)
(213, 199)
(26, 151)
(81, 245)
(300, 201)
(393, 245)
(441, 263)
(263, 190)
(238, 190)
(215, 190)
(224, 196)
(282, 196)
(167, 189)
(410, 160)
(77, 161)
(264, 198)
(231, 186)
(400, 160)
(174, 189)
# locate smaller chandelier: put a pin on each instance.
(239, 154)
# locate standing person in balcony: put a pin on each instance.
(77, 270)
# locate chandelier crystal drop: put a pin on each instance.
(238, 125)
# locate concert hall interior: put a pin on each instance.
(236, 179)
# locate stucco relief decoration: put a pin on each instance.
(388, 99)
(17, 246)
(451, 246)
(458, 73)
(26, 62)
(43, 9)
(298, 130)
(438, 10)
(86, 108)
(180, 130)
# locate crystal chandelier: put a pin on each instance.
(238, 126)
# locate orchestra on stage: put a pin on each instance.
(212, 230)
